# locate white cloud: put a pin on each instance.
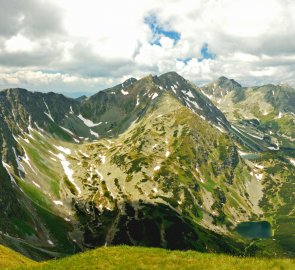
(90, 45)
(18, 43)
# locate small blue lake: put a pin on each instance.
(254, 229)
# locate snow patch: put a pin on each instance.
(95, 134)
(196, 105)
(219, 128)
(157, 168)
(124, 92)
(68, 171)
(259, 166)
(259, 176)
(58, 202)
(241, 153)
(274, 148)
(63, 149)
(99, 174)
(49, 116)
(155, 95)
(6, 166)
(88, 122)
(103, 159)
(188, 93)
(48, 113)
(255, 136)
(40, 129)
(137, 101)
(67, 130)
(20, 167)
(84, 154)
(36, 185)
(26, 159)
(172, 87)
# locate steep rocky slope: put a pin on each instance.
(266, 112)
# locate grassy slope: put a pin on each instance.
(9, 259)
(124, 257)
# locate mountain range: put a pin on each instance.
(156, 162)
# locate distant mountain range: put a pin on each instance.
(150, 162)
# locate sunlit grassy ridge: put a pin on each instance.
(9, 259)
(123, 257)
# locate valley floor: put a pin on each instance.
(124, 257)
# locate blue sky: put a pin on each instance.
(158, 30)
(205, 52)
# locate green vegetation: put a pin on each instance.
(124, 257)
(10, 259)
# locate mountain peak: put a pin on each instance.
(221, 87)
(128, 82)
(81, 98)
(223, 78)
(226, 82)
(171, 78)
(170, 75)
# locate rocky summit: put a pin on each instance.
(155, 162)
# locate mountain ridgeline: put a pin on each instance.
(152, 162)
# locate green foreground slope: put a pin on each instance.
(123, 257)
(9, 259)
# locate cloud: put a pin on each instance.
(73, 45)
(35, 18)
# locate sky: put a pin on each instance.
(83, 46)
